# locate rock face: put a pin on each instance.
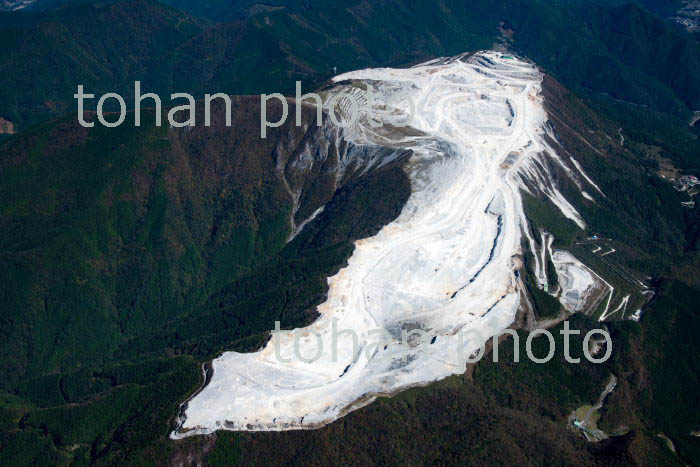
(6, 127)
(15, 5)
(442, 273)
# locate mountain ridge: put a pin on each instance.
(298, 43)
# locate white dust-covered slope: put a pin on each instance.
(578, 282)
(445, 265)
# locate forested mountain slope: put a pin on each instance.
(623, 52)
(167, 246)
(131, 257)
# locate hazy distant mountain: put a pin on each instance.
(622, 52)
(44, 5)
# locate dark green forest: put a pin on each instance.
(607, 50)
(130, 257)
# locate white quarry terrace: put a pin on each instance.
(446, 265)
(576, 281)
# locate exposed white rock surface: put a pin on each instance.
(446, 265)
(15, 5)
(575, 279)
